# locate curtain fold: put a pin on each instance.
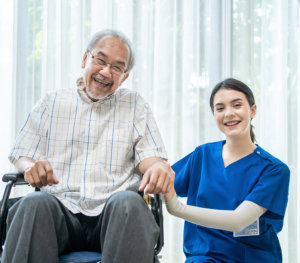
(183, 48)
(6, 68)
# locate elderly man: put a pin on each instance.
(89, 150)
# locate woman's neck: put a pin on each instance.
(233, 150)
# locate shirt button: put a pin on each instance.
(258, 152)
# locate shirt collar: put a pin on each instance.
(86, 99)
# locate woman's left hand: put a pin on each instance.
(169, 195)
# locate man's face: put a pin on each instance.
(104, 66)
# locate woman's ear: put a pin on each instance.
(252, 111)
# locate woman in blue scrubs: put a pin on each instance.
(236, 191)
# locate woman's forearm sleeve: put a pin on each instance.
(231, 220)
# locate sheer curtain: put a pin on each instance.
(6, 68)
(183, 48)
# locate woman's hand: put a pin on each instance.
(169, 195)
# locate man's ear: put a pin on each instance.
(124, 78)
(83, 63)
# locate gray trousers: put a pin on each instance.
(39, 228)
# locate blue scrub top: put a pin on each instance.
(258, 177)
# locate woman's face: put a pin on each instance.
(233, 113)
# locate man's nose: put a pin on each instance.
(106, 70)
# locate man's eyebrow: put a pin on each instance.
(100, 53)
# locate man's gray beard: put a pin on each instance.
(91, 95)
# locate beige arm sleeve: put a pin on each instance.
(231, 220)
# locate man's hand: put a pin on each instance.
(157, 178)
(40, 174)
(36, 173)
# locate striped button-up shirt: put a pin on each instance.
(93, 147)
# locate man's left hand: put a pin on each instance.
(157, 178)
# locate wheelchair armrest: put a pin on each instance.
(16, 178)
(11, 179)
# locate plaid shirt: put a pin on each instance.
(93, 147)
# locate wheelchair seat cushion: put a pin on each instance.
(80, 257)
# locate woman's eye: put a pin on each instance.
(219, 109)
(237, 105)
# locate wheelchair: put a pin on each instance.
(14, 179)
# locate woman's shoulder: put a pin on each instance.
(208, 149)
(210, 146)
(270, 160)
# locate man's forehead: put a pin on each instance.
(111, 43)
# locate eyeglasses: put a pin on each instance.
(117, 69)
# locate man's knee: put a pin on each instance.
(127, 199)
(31, 202)
(128, 202)
(129, 206)
(36, 199)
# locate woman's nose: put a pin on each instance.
(228, 112)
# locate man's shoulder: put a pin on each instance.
(63, 92)
(132, 96)
(124, 92)
(58, 95)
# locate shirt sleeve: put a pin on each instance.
(32, 137)
(271, 190)
(183, 170)
(230, 220)
(149, 142)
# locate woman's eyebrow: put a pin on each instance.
(235, 100)
(219, 104)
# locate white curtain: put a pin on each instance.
(6, 68)
(183, 48)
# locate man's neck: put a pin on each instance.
(88, 94)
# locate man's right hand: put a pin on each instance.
(37, 173)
